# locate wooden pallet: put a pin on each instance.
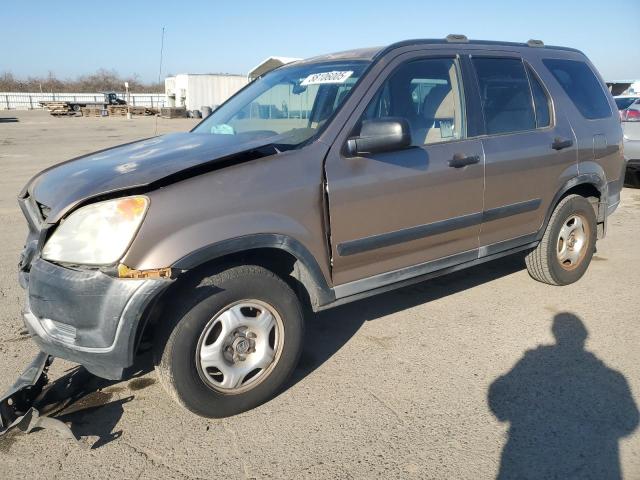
(92, 112)
(58, 108)
(121, 110)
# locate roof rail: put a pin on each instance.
(535, 43)
(456, 38)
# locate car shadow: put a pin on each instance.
(328, 331)
(566, 410)
(8, 120)
(90, 405)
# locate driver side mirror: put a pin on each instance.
(381, 135)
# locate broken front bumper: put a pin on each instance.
(86, 316)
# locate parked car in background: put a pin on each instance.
(631, 130)
(624, 103)
(322, 182)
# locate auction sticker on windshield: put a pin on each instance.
(326, 77)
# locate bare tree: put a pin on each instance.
(102, 80)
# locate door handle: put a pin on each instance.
(459, 160)
(560, 143)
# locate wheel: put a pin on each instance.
(76, 107)
(565, 251)
(232, 343)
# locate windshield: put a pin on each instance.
(624, 102)
(288, 106)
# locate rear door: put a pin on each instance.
(393, 210)
(529, 149)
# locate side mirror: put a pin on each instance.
(381, 135)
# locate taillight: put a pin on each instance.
(631, 115)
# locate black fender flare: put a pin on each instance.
(313, 280)
(582, 179)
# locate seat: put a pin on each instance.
(438, 107)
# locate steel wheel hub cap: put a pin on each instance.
(239, 346)
(572, 242)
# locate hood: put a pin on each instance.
(144, 164)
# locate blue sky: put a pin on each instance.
(74, 37)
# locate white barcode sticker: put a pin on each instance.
(326, 77)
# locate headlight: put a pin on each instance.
(97, 234)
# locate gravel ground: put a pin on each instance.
(460, 377)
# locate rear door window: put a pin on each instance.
(541, 101)
(506, 97)
(581, 85)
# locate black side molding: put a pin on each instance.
(407, 234)
(396, 237)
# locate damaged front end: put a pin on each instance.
(17, 404)
(90, 315)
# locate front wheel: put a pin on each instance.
(565, 251)
(233, 344)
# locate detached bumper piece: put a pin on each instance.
(16, 405)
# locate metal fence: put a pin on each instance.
(30, 101)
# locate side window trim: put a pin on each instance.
(550, 101)
(473, 103)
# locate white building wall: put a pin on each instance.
(194, 91)
(211, 90)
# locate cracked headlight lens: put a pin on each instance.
(98, 234)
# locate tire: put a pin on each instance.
(190, 332)
(555, 260)
(76, 107)
(632, 178)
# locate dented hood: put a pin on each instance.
(139, 165)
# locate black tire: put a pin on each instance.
(177, 344)
(543, 263)
(76, 107)
(632, 179)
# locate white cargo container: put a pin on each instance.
(194, 91)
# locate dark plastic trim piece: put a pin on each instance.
(382, 240)
(318, 285)
(583, 179)
(360, 289)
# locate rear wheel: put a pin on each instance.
(565, 251)
(233, 345)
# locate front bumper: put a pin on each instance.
(86, 316)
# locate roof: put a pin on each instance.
(372, 53)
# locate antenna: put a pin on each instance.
(161, 52)
(155, 132)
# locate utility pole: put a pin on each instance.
(126, 87)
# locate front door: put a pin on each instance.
(406, 208)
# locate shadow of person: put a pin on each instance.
(567, 410)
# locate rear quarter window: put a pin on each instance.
(581, 85)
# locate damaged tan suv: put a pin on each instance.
(322, 182)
